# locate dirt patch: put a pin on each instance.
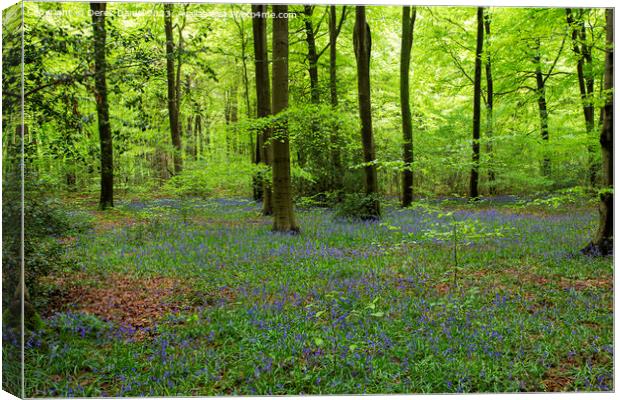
(583, 284)
(524, 276)
(123, 299)
(555, 380)
(442, 288)
(111, 219)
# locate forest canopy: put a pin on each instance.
(213, 58)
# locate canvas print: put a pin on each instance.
(206, 199)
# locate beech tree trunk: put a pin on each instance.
(362, 45)
(473, 178)
(586, 82)
(101, 97)
(489, 127)
(173, 105)
(409, 15)
(263, 101)
(338, 172)
(542, 110)
(603, 241)
(198, 132)
(284, 218)
(313, 57)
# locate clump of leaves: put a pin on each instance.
(357, 206)
(322, 199)
(574, 196)
(45, 222)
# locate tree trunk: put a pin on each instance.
(362, 45)
(586, 83)
(101, 97)
(198, 132)
(190, 146)
(234, 118)
(542, 110)
(473, 178)
(489, 127)
(313, 57)
(409, 15)
(284, 218)
(244, 66)
(603, 241)
(173, 104)
(263, 99)
(333, 90)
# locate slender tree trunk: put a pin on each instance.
(263, 100)
(603, 241)
(234, 118)
(244, 65)
(101, 96)
(173, 105)
(313, 57)
(586, 84)
(473, 178)
(199, 138)
(362, 45)
(190, 147)
(542, 110)
(489, 127)
(409, 15)
(207, 134)
(333, 90)
(284, 218)
(196, 138)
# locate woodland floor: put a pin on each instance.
(199, 297)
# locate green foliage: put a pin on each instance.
(205, 179)
(576, 196)
(46, 221)
(357, 206)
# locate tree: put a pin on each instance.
(362, 46)
(489, 103)
(603, 242)
(585, 78)
(409, 15)
(284, 217)
(313, 57)
(542, 106)
(101, 97)
(263, 99)
(173, 91)
(473, 177)
(336, 157)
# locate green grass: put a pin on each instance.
(345, 307)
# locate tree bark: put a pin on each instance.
(244, 66)
(489, 105)
(173, 105)
(409, 15)
(542, 110)
(362, 45)
(473, 178)
(199, 137)
(284, 218)
(101, 97)
(586, 83)
(603, 241)
(313, 57)
(263, 99)
(333, 90)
